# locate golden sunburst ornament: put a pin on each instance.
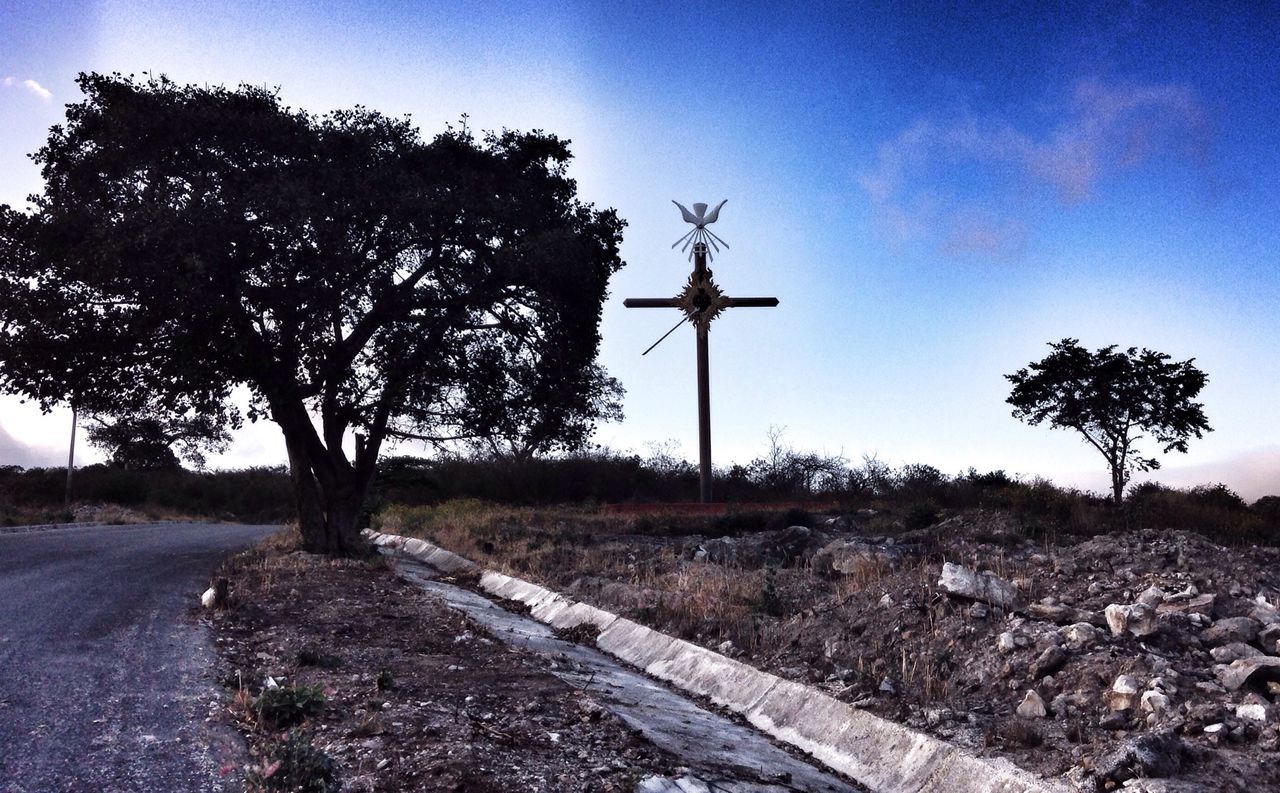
(701, 300)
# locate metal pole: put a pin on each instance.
(71, 460)
(704, 386)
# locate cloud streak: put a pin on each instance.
(962, 184)
(29, 85)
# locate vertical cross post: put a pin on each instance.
(704, 385)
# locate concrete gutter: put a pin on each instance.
(883, 755)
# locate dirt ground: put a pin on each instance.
(853, 603)
(414, 696)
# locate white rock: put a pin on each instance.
(988, 587)
(209, 599)
(1152, 596)
(1125, 684)
(1005, 642)
(1138, 619)
(1213, 729)
(886, 600)
(1154, 701)
(1032, 706)
(1079, 635)
(1251, 712)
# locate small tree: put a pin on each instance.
(151, 442)
(1113, 398)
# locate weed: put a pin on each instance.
(770, 603)
(311, 654)
(279, 707)
(386, 681)
(295, 765)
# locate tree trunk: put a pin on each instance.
(1117, 486)
(328, 517)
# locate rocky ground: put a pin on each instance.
(1096, 659)
(345, 678)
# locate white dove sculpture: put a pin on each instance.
(700, 218)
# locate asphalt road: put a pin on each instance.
(105, 675)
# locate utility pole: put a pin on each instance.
(71, 461)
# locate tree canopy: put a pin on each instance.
(359, 279)
(1114, 398)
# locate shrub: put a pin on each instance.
(296, 765)
(921, 514)
(279, 707)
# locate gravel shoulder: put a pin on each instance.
(415, 695)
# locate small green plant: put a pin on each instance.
(770, 603)
(279, 708)
(386, 681)
(311, 654)
(295, 765)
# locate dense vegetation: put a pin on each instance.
(919, 494)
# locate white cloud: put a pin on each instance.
(38, 89)
(961, 184)
(31, 85)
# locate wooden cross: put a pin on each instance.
(701, 301)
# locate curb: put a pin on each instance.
(883, 755)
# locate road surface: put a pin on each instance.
(105, 677)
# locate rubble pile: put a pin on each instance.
(1100, 660)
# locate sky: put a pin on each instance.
(933, 191)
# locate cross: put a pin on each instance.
(701, 301)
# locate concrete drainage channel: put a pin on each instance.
(885, 756)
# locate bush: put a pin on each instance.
(920, 515)
(278, 708)
(296, 765)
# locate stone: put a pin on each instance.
(1241, 671)
(1125, 684)
(1065, 615)
(1269, 639)
(1079, 635)
(1231, 629)
(987, 587)
(1123, 694)
(1154, 701)
(1265, 613)
(1233, 652)
(1152, 596)
(1252, 711)
(785, 546)
(1192, 604)
(979, 611)
(1005, 642)
(1032, 706)
(1048, 662)
(1156, 754)
(849, 556)
(1138, 619)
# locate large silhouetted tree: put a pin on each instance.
(354, 276)
(1114, 398)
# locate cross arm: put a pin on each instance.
(751, 302)
(651, 302)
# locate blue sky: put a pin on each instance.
(934, 192)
